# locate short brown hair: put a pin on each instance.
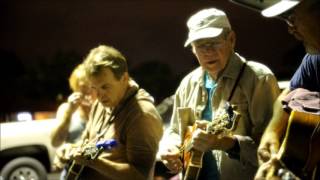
(105, 56)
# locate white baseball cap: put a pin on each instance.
(279, 7)
(207, 23)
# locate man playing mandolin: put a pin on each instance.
(223, 76)
(123, 112)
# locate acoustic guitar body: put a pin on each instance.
(300, 149)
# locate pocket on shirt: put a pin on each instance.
(243, 123)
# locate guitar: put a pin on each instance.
(90, 152)
(300, 147)
(192, 159)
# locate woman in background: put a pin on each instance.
(72, 115)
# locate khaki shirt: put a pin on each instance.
(254, 97)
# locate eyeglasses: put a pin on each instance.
(210, 45)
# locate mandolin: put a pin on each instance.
(222, 125)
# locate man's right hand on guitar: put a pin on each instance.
(79, 158)
(269, 146)
(171, 159)
(205, 141)
(87, 153)
(267, 170)
(63, 155)
(274, 169)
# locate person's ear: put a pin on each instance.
(232, 39)
(125, 77)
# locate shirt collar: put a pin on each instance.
(233, 66)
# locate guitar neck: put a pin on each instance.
(74, 171)
(90, 153)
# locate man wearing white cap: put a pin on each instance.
(223, 76)
(303, 19)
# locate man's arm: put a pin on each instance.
(115, 170)
(141, 140)
(169, 152)
(270, 141)
(110, 169)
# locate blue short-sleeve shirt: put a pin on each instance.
(307, 75)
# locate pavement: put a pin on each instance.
(54, 176)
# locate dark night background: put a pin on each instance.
(42, 40)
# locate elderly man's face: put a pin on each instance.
(109, 90)
(305, 26)
(213, 53)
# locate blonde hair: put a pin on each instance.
(77, 75)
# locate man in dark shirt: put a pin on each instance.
(303, 19)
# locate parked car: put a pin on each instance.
(25, 150)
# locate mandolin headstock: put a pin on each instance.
(224, 122)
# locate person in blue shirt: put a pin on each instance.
(223, 77)
(307, 75)
(302, 17)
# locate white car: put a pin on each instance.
(25, 150)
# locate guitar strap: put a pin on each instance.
(106, 124)
(237, 81)
(234, 152)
